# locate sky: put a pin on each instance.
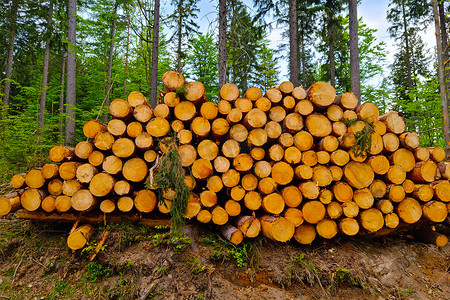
(373, 13)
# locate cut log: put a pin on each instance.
(135, 170)
(313, 211)
(80, 237)
(286, 140)
(444, 169)
(171, 99)
(273, 129)
(243, 162)
(84, 149)
(54, 187)
(274, 95)
(232, 234)
(136, 98)
(104, 141)
(321, 94)
(442, 190)
(234, 116)
(68, 170)
(318, 125)
(120, 109)
(101, 184)
(339, 128)
(368, 111)
(277, 228)
(252, 200)
(358, 175)
(185, 111)
(249, 225)
(282, 173)
(145, 201)
(257, 137)
(435, 211)
(238, 133)
(161, 110)
(48, 204)
(390, 142)
(158, 127)
(404, 158)
(200, 127)
(423, 172)
(83, 200)
(125, 204)
(298, 93)
(395, 175)
(229, 92)
(18, 180)
(292, 196)
(347, 100)
(204, 216)
(177, 125)
(325, 196)
(289, 103)
(184, 136)
(257, 153)
(378, 188)
(117, 127)
(230, 178)
(379, 164)
(327, 228)
(334, 113)
(267, 185)
(323, 157)
(202, 169)
(423, 192)
(188, 155)
(237, 193)
(262, 169)
(371, 219)
(421, 154)
(304, 107)
(428, 235)
(220, 127)
(96, 158)
(334, 210)
(395, 193)
(363, 198)
(336, 173)
(91, 128)
(9, 204)
(408, 186)
(379, 127)
(293, 122)
(329, 143)
(340, 157)
(385, 206)
(122, 188)
(253, 93)
(275, 153)
(232, 208)
(349, 114)
(34, 179)
(207, 149)
(219, 216)
(437, 154)
(347, 140)
(214, 184)
(309, 190)
(322, 176)
(394, 122)
(208, 198)
(349, 226)
(134, 129)
(255, 118)
(63, 203)
(249, 182)
(244, 104)
(143, 141)
(409, 140)
(391, 220)
(60, 153)
(69, 187)
(143, 113)
(277, 113)
(273, 203)
(172, 81)
(294, 215)
(263, 104)
(342, 192)
(112, 165)
(224, 107)
(409, 210)
(221, 164)
(303, 140)
(376, 145)
(305, 234)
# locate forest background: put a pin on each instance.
(61, 61)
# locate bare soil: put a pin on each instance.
(143, 263)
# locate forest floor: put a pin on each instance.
(143, 263)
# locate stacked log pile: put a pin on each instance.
(287, 163)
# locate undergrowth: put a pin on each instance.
(363, 137)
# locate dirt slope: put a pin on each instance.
(139, 263)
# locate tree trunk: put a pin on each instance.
(442, 85)
(407, 50)
(155, 53)
(179, 31)
(126, 59)
(12, 35)
(293, 44)
(45, 71)
(222, 42)
(331, 49)
(354, 51)
(71, 75)
(110, 60)
(61, 95)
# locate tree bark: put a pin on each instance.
(331, 48)
(354, 51)
(442, 86)
(126, 59)
(155, 53)
(293, 44)
(71, 75)
(222, 42)
(45, 71)
(61, 95)
(110, 60)
(12, 35)
(445, 47)
(407, 51)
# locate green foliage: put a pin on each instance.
(344, 276)
(90, 247)
(96, 271)
(194, 266)
(243, 254)
(363, 137)
(168, 175)
(176, 240)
